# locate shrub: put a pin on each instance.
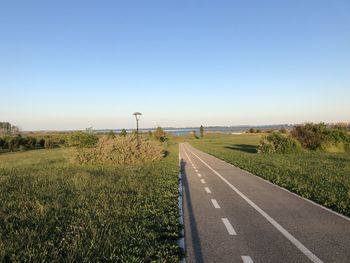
(123, 133)
(321, 137)
(14, 142)
(31, 142)
(266, 146)
(283, 130)
(49, 143)
(334, 147)
(22, 148)
(22, 143)
(3, 143)
(278, 143)
(201, 131)
(160, 135)
(41, 142)
(82, 139)
(111, 134)
(251, 130)
(121, 151)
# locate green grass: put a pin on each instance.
(52, 210)
(321, 177)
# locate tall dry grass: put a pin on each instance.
(121, 151)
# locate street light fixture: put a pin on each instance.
(137, 117)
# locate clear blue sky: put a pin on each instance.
(75, 64)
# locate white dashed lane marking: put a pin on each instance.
(229, 227)
(207, 190)
(215, 203)
(273, 222)
(247, 259)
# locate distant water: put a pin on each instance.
(218, 129)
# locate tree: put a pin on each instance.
(82, 139)
(123, 133)
(111, 134)
(160, 135)
(49, 143)
(201, 131)
(252, 130)
(6, 128)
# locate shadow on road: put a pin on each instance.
(195, 240)
(248, 148)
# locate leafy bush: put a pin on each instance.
(283, 130)
(251, 130)
(123, 133)
(31, 142)
(278, 143)
(41, 142)
(201, 131)
(121, 151)
(49, 143)
(266, 146)
(321, 137)
(82, 139)
(24, 142)
(2, 143)
(160, 135)
(111, 134)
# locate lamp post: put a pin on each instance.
(137, 117)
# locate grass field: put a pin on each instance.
(321, 177)
(52, 210)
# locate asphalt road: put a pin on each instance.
(233, 216)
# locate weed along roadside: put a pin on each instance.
(181, 240)
(91, 209)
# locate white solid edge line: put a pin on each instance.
(283, 231)
(215, 203)
(207, 190)
(285, 189)
(202, 181)
(229, 227)
(247, 259)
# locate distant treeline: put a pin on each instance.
(8, 128)
(15, 141)
(342, 126)
(23, 142)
